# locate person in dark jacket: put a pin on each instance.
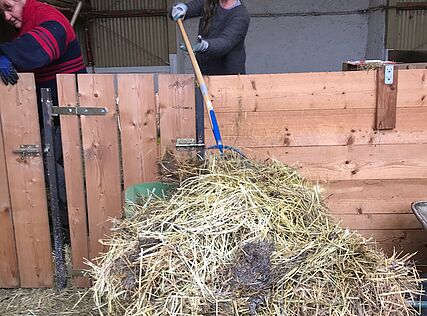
(46, 44)
(220, 48)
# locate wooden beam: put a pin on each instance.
(373, 196)
(74, 177)
(137, 107)
(101, 157)
(177, 109)
(357, 162)
(386, 100)
(9, 271)
(318, 127)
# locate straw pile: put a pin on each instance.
(240, 237)
(46, 302)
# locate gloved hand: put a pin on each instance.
(8, 72)
(200, 47)
(179, 11)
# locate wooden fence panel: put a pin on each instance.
(27, 185)
(74, 178)
(176, 109)
(9, 273)
(101, 157)
(323, 123)
(137, 106)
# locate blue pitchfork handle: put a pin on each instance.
(203, 88)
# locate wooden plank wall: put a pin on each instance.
(323, 123)
(25, 178)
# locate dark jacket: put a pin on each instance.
(226, 54)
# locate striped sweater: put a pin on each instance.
(46, 45)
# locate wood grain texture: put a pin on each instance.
(176, 109)
(297, 91)
(9, 271)
(373, 196)
(101, 157)
(412, 88)
(386, 100)
(364, 162)
(27, 184)
(137, 106)
(379, 221)
(74, 177)
(318, 128)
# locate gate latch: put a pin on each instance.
(28, 151)
(187, 144)
(73, 110)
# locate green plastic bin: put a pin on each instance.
(135, 192)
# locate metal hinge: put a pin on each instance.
(187, 144)
(73, 110)
(28, 151)
(389, 74)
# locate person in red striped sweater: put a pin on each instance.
(46, 44)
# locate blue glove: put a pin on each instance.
(179, 11)
(8, 72)
(200, 47)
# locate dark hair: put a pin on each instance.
(208, 12)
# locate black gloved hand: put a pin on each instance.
(8, 73)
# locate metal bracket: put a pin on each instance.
(28, 151)
(185, 144)
(389, 74)
(73, 110)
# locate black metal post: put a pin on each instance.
(200, 121)
(51, 177)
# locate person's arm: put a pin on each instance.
(195, 8)
(37, 48)
(234, 33)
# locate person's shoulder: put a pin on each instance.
(242, 11)
(44, 12)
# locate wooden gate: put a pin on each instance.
(119, 149)
(25, 249)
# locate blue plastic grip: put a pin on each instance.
(216, 132)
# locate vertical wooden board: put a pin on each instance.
(412, 88)
(176, 109)
(137, 108)
(101, 157)
(74, 181)
(386, 100)
(9, 272)
(27, 184)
